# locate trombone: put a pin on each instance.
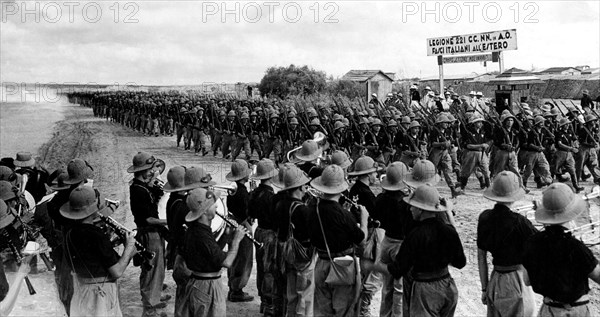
(585, 232)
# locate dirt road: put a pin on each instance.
(110, 147)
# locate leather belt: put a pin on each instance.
(206, 276)
(94, 280)
(431, 276)
(583, 300)
(324, 256)
(508, 268)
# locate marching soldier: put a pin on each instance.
(256, 128)
(438, 155)
(587, 155)
(376, 141)
(531, 154)
(229, 134)
(506, 142)
(474, 155)
(566, 146)
(218, 126)
(243, 131)
(411, 145)
(273, 133)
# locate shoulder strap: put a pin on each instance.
(323, 231)
(293, 207)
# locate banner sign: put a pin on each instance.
(487, 42)
(468, 59)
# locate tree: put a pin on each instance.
(291, 80)
(347, 88)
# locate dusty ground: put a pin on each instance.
(110, 147)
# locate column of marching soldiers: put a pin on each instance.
(323, 247)
(461, 135)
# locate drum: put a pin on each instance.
(162, 206)
(218, 224)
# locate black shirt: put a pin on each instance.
(365, 197)
(200, 251)
(394, 214)
(176, 211)
(299, 220)
(503, 233)
(238, 203)
(312, 170)
(3, 281)
(259, 206)
(340, 227)
(91, 251)
(144, 202)
(429, 247)
(558, 264)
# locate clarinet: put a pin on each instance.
(236, 225)
(122, 231)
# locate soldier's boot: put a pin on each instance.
(365, 304)
(481, 182)
(486, 180)
(576, 186)
(463, 182)
(584, 176)
(456, 191)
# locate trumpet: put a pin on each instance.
(230, 188)
(236, 225)
(113, 204)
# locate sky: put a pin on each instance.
(194, 42)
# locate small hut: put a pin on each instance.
(512, 86)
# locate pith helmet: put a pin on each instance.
(364, 165)
(341, 159)
(290, 176)
(265, 169)
(423, 172)
(309, 151)
(394, 177)
(559, 205)
(506, 187)
(331, 181)
(175, 179)
(425, 197)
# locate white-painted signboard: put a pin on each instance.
(486, 42)
(468, 58)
